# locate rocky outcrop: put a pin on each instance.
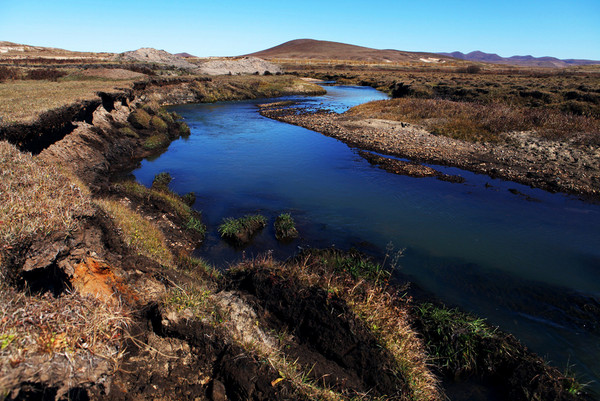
(239, 66)
(150, 55)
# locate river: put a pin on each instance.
(522, 259)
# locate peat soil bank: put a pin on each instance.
(525, 259)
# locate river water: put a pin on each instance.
(526, 259)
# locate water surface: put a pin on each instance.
(475, 245)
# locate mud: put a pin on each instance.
(526, 159)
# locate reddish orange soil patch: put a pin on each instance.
(95, 278)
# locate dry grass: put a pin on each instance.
(36, 199)
(70, 325)
(24, 101)
(481, 122)
(384, 312)
(137, 232)
(175, 202)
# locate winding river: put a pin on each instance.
(526, 260)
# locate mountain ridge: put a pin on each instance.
(527, 60)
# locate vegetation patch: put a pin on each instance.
(462, 345)
(36, 199)
(137, 232)
(160, 193)
(241, 230)
(140, 119)
(285, 227)
(127, 131)
(314, 279)
(156, 141)
(40, 330)
(24, 101)
(158, 124)
(480, 122)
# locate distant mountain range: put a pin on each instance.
(529, 61)
(325, 50)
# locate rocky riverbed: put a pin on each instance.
(525, 158)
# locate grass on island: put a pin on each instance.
(242, 229)
(285, 227)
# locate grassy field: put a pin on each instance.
(22, 101)
(478, 103)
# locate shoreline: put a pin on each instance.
(539, 163)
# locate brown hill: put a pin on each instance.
(325, 50)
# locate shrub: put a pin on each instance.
(158, 124)
(161, 181)
(285, 227)
(156, 141)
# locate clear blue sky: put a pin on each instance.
(564, 29)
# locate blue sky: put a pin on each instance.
(564, 29)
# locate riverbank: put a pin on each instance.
(524, 158)
(325, 325)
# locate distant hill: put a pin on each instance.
(325, 50)
(528, 61)
(185, 55)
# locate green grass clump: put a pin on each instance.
(161, 181)
(140, 119)
(455, 339)
(189, 199)
(190, 298)
(167, 117)
(158, 124)
(184, 129)
(285, 227)
(127, 131)
(242, 229)
(156, 141)
(360, 267)
(196, 225)
(137, 232)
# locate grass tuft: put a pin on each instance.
(285, 227)
(242, 229)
